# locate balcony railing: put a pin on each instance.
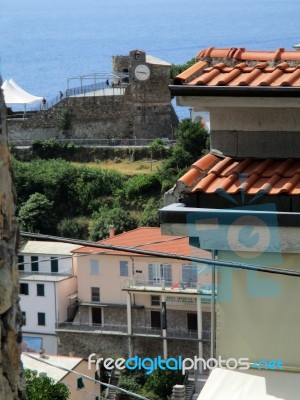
(136, 330)
(159, 283)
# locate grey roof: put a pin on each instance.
(54, 248)
(156, 61)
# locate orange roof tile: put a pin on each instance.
(241, 67)
(146, 238)
(252, 176)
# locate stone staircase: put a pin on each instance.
(189, 389)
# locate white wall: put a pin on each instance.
(64, 264)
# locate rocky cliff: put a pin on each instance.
(10, 314)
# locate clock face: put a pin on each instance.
(142, 72)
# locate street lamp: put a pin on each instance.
(190, 110)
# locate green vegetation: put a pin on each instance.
(156, 386)
(44, 388)
(75, 200)
(52, 148)
(64, 119)
(192, 143)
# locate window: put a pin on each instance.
(94, 267)
(21, 263)
(155, 319)
(155, 300)
(24, 317)
(189, 273)
(123, 268)
(54, 264)
(34, 264)
(192, 323)
(80, 383)
(24, 288)
(159, 272)
(95, 293)
(41, 318)
(40, 289)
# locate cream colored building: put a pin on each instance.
(128, 295)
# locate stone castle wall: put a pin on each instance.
(143, 111)
(10, 314)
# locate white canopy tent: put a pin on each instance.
(14, 94)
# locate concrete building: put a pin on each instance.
(241, 201)
(135, 304)
(48, 291)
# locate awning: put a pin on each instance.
(14, 94)
(224, 384)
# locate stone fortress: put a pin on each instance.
(136, 105)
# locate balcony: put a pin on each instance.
(160, 285)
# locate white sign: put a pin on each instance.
(181, 301)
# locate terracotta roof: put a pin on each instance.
(212, 174)
(146, 238)
(241, 67)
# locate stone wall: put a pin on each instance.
(109, 345)
(10, 314)
(143, 111)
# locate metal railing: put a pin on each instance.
(113, 142)
(136, 330)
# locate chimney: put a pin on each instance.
(111, 231)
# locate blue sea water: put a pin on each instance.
(43, 42)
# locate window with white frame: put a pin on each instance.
(155, 300)
(160, 272)
(123, 268)
(94, 267)
(95, 293)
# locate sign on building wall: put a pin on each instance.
(181, 301)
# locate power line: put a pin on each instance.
(214, 262)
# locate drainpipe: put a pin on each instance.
(164, 322)
(129, 325)
(199, 322)
(213, 308)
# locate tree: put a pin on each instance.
(192, 137)
(150, 216)
(161, 382)
(36, 214)
(44, 388)
(102, 219)
(192, 143)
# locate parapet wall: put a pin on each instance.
(98, 117)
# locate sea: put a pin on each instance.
(45, 42)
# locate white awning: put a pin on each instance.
(224, 384)
(14, 94)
